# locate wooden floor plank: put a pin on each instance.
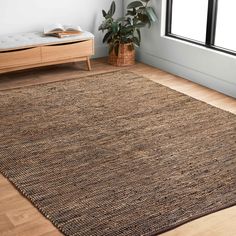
(5, 223)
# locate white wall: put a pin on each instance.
(31, 15)
(210, 68)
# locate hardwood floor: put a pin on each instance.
(19, 217)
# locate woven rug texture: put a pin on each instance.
(117, 154)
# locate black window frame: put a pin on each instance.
(210, 28)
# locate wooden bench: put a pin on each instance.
(18, 52)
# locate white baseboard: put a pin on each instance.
(206, 80)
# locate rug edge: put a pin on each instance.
(25, 195)
(172, 227)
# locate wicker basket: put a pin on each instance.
(126, 56)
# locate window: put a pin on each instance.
(208, 23)
(189, 18)
(225, 27)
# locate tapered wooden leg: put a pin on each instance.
(88, 63)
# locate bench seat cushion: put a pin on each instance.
(27, 40)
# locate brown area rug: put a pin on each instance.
(117, 154)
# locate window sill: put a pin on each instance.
(218, 50)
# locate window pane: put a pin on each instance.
(225, 27)
(189, 18)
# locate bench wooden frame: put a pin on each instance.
(43, 55)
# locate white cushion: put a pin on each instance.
(26, 40)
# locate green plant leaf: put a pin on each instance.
(136, 41)
(143, 18)
(140, 25)
(104, 13)
(112, 10)
(127, 29)
(128, 21)
(135, 20)
(131, 13)
(141, 10)
(125, 39)
(135, 4)
(102, 27)
(139, 34)
(114, 27)
(107, 36)
(151, 14)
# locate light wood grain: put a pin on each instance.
(19, 58)
(67, 51)
(47, 55)
(88, 64)
(19, 217)
(56, 62)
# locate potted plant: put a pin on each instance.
(123, 34)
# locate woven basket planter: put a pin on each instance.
(126, 56)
